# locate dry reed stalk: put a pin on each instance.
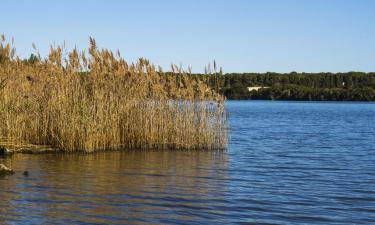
(98, 101)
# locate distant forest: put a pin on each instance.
(351, 86)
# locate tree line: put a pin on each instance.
(350, 86)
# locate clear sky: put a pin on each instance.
(242, 35)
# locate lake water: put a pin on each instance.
(287, 163)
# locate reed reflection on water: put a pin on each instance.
(113, 187)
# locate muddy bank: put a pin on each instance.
(8, 147)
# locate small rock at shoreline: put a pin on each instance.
(5, 170)
(4, 150)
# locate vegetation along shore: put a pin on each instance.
(350, 86)
(78, 101)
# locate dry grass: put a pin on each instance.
(98, 101)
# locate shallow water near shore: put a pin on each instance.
(286, 163)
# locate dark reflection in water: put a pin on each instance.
(287, 163)
(114, 187)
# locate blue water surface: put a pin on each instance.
(303, 162)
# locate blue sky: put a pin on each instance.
(242, 35)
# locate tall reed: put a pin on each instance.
(94, 101)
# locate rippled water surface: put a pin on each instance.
(287, 163)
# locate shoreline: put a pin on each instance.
(40, 149)
(9, 147)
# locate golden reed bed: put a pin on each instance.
(77, 101)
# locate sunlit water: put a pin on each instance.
(287, 163)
